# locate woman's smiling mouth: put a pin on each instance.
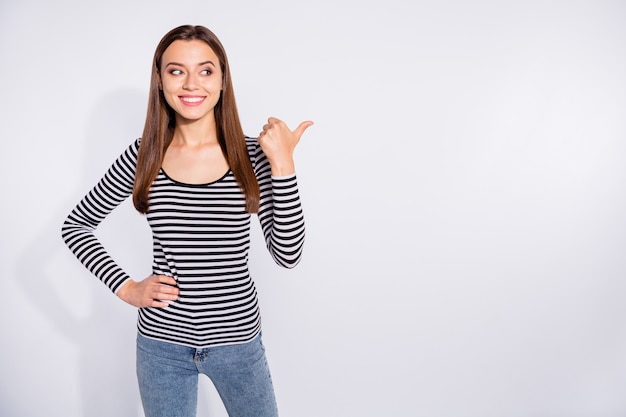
(192, 100)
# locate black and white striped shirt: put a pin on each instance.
(201, 237)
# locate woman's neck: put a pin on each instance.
(195, 132)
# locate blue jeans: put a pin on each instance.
(168, 378)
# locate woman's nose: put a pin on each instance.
(190, 83)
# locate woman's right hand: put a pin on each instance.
(154, 291)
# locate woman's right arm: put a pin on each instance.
(79, 226)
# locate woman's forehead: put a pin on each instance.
(189, 52)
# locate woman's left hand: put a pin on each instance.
(278, 142)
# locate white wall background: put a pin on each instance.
(464, 188)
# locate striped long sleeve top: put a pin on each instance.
(201, 237)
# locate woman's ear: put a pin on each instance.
(159, 81)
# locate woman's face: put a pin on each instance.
(191, 79)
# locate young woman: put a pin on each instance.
(197, 179)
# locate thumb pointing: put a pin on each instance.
(301, 128)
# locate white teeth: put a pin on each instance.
(191, 99)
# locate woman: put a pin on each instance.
(197, 179)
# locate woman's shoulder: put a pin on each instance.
(255, 153)
(129, 154)
(254, 149)
(251, 143)
(133, 148)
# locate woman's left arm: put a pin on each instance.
(280, 211)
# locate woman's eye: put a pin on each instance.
(176, 72)
(206, 72)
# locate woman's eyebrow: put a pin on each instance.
(181, 65)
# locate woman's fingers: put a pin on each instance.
(277, 130)
(165, 289)
(279, 142)
(153, 291)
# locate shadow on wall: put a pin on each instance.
(105, 336)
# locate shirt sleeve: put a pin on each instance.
(79, 226)
(280, 212)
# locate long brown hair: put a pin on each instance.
(161, 121)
